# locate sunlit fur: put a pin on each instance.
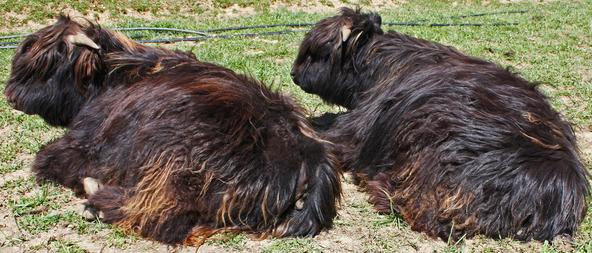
(457, 145)
(183, 148)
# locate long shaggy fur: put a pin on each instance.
(183, 148)
(455, 144)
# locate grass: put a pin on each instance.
(291, 245)
(61, 246)
(228, 240)
(551, 45)
(118, 239)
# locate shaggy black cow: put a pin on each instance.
(168, 146)
(455, 144)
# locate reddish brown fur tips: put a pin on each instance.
(182, 148)
(455, 144)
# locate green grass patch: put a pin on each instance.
(39, 210)
(48, 197)
(38, 223)
(291, 245)
(18, 187)
(230, 241)
(11, 166)
(549, 248)
(120, 239)
(64, 246)
(43, 222)
(394, 219)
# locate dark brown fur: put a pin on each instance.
(455, 144)
(183, 148)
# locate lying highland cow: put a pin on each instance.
(168, 146)
(455, 144)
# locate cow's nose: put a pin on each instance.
(294, 79)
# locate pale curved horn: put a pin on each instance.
(345, 32)
(82, 40)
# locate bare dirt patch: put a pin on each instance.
(237, 11)
(8, 230)
(4, 131)
(94, 15)
(106, 17)
(14, 176)
(585, 142)
(586, 74)
(331, 5)
(304, 6)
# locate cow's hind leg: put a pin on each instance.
(381, 191)
(153, 208)
(61, 162)
(114, 205)
(106, 204)
(91, 187)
